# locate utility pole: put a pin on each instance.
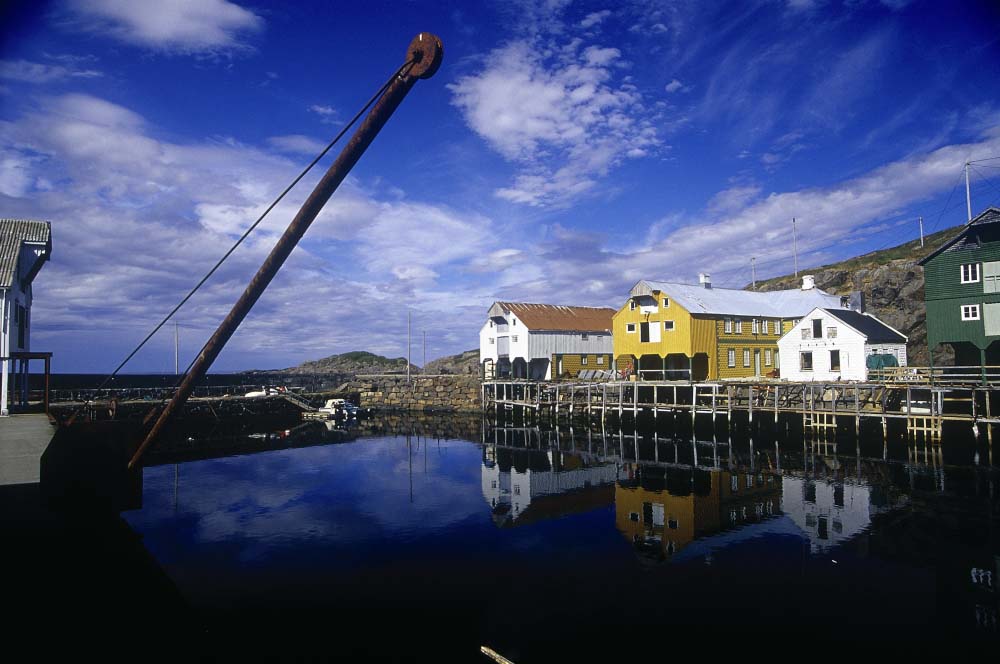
(407, 351)
(176, 348)
(425, 350)
(968, 194)
(795, 249)
(921, 220)
(753, 272)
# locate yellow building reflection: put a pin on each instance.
(662, 510)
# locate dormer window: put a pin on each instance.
(970, 273)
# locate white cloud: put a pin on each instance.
(34, 72)
(327, 114)
(558, 113)
(673, 86)
(297, 144)
(595, 18)
(183, 25)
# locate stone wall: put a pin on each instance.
(443, 393)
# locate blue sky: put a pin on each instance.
(563, 151)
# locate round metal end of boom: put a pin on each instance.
(426, 52)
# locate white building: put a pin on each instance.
(834, 344)
(24, 247)
(544, 341)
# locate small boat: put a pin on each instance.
(339, 408)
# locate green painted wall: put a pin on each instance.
(945, 293)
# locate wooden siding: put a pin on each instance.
(573, 363)
(740, 371)
(676, 341)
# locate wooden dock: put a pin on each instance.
(820, 406)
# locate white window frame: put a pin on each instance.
(728, 326)
(631, 304)
(669, 323)
(513, 339)
(629, 328)
(583, 361)
(731, 357)
(970, 312)
(600, 359)
(831, 333)
(766, 326)
(970, 273)
(584, 337)
(767, 357)
(756, 326)
(739, 326)
(666, 303)
(746, 357)
(812, 360)
(492, 340)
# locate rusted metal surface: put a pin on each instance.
(423, 58)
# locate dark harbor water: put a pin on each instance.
(547, 544)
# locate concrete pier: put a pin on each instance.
(23, 438)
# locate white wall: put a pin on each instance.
(849, 342)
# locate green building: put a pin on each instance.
(962, 292)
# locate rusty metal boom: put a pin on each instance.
(423, 57)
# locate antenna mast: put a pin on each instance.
(795, 248)
(968, 194)
(753, 272)
(921, 220)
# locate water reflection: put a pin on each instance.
(502, 528)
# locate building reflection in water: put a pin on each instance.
(683, 499)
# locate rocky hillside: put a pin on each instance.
(355, 362)
(466, 363)
(893, 285)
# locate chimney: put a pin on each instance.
(808, 282)
(705, 279)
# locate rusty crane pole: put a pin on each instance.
(423, 57)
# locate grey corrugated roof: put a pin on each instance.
(875, 330)
(13, 234)
(697, 299)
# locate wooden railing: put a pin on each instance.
(937, 375)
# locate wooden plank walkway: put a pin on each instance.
(821, 406)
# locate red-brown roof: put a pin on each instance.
(559, 317)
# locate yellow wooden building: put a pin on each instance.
(674, 331)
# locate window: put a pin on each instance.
(583, 360)
(767, 357)
(746, 357)
(970, 273)
(668, 325)
(584, 336)
(630, 328)
(514, 338)
(831, 333)
(517, 489)
(991, 277)
(749, 481)
(731, 358)
(672, 523)
(734, 485)
(817, 328)
(491, 323)
(666, 302)
(492, 340)
(834, 360)
(633, 516)
(970, 312)
(513, 321)
(766, 323)
(644, 332)
(756, 326)
(600, 359)
(729, 326)
(739, 326)
(631, 305)
(806, 333)
(806, 361)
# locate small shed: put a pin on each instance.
(835, 344)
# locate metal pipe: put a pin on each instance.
(424, 55)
